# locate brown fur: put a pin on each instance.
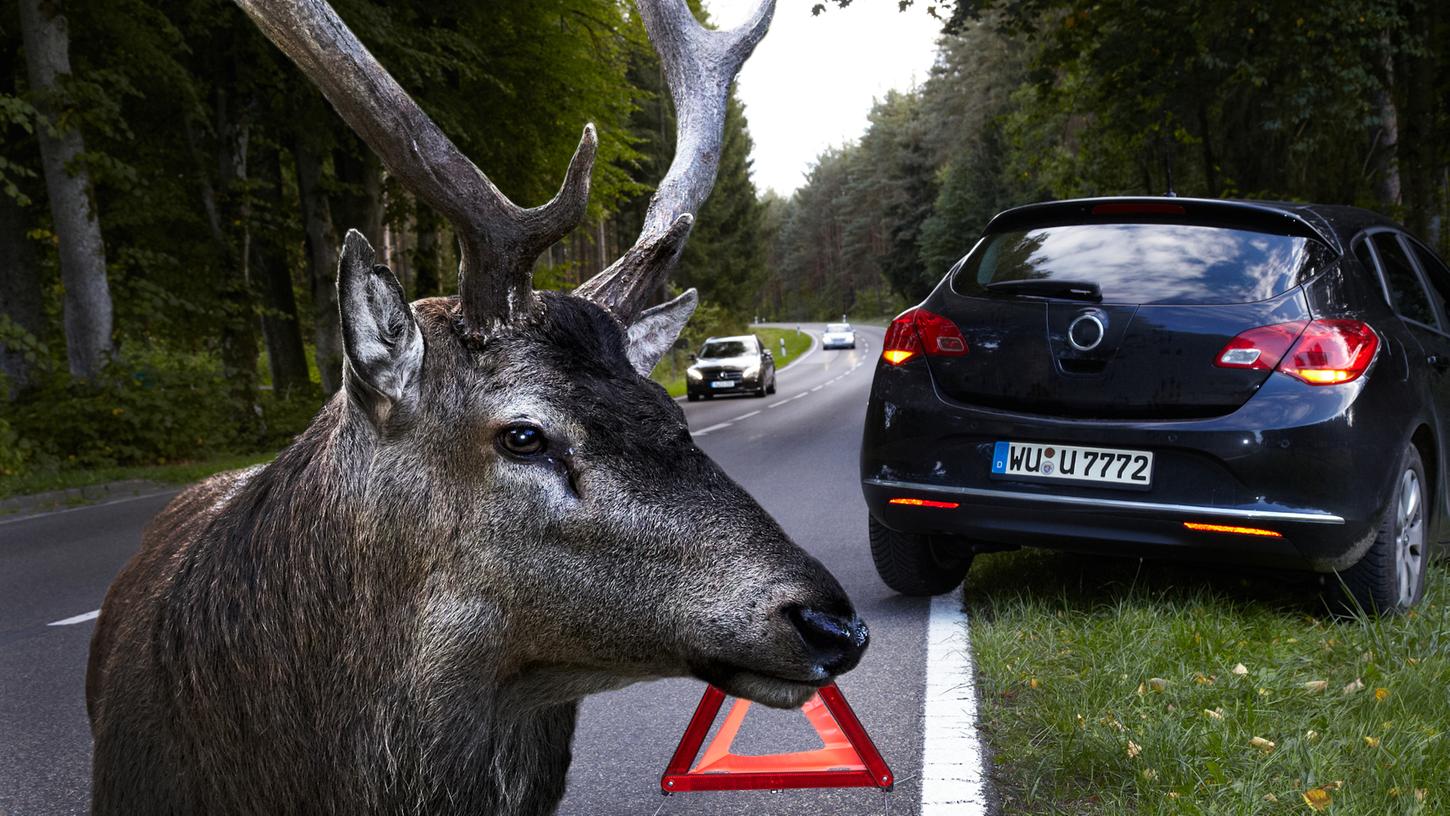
(396, 617)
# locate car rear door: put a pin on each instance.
(1405, 281)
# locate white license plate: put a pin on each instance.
(723, 384)
(1070, 463)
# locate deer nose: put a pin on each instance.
(836, 643)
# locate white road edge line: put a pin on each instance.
(123, 500)
(817, 388)
(952, 779)
(91, 615)
(745, 416)
(714, 427)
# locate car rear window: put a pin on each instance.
(725, 348)
(1182, 264)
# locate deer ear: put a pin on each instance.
(380, 338)
(656, 329)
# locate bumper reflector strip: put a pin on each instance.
(1229, 528)
(925, 503)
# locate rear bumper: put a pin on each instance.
(1313, 466)
(1115, 526)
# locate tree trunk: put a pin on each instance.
(427, 259)
(286, 356)
(1383, 161)
(87, 310)
(359, 205)
(231, 230)
(20, 300)
(321, 265)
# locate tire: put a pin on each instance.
(1390, 578)
(771, 389)
(916, 564)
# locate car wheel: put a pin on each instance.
(1390, 578)
(917, 564)
(771, 389)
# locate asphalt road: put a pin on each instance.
(795, 451)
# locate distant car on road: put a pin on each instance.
(838, 336)
(1250, 383)
(731, 365)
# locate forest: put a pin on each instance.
(1340, 101)
(174, 191)
(174, 194)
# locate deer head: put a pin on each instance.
(511, 439)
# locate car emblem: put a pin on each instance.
(1086, 332)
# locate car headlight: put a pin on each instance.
(751, 371)
(694, 375)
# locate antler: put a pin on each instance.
(499, 241)
(699, 66)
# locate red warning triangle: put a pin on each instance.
(846, 759)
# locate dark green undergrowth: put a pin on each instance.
(150, 415)
(171, 473)
(1111, 687)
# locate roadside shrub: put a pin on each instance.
(149, 407)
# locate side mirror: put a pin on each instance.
(694, 358)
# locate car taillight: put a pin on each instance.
(1330, 352)
(1319, 352)
(917, 331)
(1261, 348)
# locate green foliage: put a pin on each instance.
(1039, 99)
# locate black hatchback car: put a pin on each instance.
(1252, 383)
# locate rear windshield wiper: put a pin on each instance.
(1047, 287)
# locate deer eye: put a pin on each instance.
(522, 440)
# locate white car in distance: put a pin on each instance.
(838, 335)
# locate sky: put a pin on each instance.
(811, 81)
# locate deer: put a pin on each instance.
(497, 515)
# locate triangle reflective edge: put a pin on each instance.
(872, 772)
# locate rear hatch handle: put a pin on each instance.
(1047, 287)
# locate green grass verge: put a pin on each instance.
(173, 473)
(671, 371)
(1109, 688)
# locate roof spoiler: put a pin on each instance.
(1264, 217)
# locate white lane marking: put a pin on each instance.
(745, 416)
(787, 399)
(716, 427)
(817, 388)
(952, 780)
(91, 615)
(19, 519)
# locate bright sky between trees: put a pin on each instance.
(811, 82)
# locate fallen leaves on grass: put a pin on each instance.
(1262, 744)
(1134, 750)
(1213, 713)
(1318, 799)
(1373, 742)
(1316, 686)
(1356, 686)
(1240, 670)
(1158, 684)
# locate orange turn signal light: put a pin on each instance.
(897, 356)
(912, 502)
(1229, 528)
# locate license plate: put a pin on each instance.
(723, 384)
(1070, 463)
